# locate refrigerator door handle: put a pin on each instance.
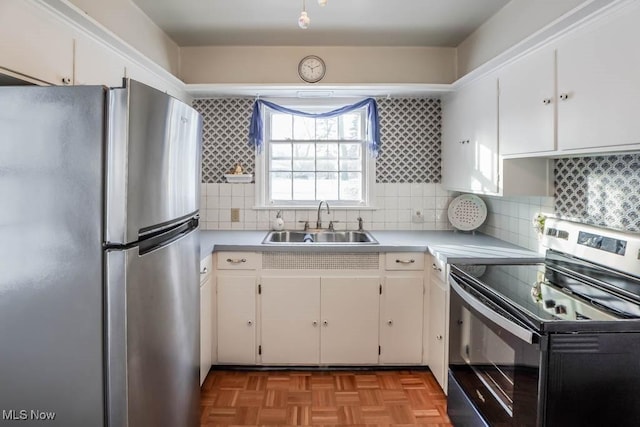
(167, 237)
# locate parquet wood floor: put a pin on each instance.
(322, 398)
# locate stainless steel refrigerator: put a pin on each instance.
(99, 257)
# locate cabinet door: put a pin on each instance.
(438, 303)
(205, 329)
(455, 157)
(236, 319)
(97, 64)
(290, 320)
(349, 313)
(401, 320)
(35, 43)
(598, 71)
(470, 156)
(527, 104)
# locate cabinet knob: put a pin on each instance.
(564, 96)
(439, 337)
(404, 261)
(314, 323)
(204, 271)
(249, 322)
(325, 323)
(66, 81)
(546, 101)
(435, 267)
(390, 322)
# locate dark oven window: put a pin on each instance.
(497, 371)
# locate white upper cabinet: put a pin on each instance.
(527, 105)
(599, 84)
(470, 137)
(35, 44)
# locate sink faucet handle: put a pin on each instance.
(360, 228)
(306, 224)
(331, 223)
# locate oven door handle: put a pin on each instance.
(517, 330)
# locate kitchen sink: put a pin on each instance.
(320, 237)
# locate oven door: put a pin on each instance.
(494, 363)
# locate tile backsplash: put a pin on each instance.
(397, 209)
(511, 219)
(599, 190)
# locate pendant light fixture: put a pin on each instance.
(304, 20)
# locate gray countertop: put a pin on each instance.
(449, 246)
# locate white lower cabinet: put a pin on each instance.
(319, 320)
(438, 326)
(290, 320)
(236, 317)
(401, 320)
(349, 311)
(206, 324)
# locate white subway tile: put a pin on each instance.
(225, 189)
(237, 190)
(213, 189)
(416, 190)
(237, 202)
(404, 190)
(224, 202)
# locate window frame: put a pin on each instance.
(263, 182)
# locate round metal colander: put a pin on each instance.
(467, 212)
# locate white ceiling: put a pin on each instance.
(339, 23)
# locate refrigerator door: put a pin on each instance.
(153, 334)
(51, 319)
(153, 162)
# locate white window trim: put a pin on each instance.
(262, 191)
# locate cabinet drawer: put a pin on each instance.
(438, 268)
(205, 269)
(405, 261)
(237, 260)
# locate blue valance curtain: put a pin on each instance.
(256, 129)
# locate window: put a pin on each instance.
(306, 160)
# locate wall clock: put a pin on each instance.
(311, 69)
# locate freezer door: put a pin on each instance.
(51, 323)
(153, 335)
(153, 162)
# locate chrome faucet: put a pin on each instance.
(319, 222)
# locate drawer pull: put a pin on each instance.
(314, 323)
(436, 268)
(250, 322)
(390, 322)
(439, 337)
(204, 271)
(325, 323)
(402, 261)
(236, 260)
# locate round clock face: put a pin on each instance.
(311, 69)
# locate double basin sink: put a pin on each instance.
(320, 237)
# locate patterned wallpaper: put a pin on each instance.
(409, 128)
(601, 190)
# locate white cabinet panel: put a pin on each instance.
(598, 71)
(350, 313)
(470, 137)
(401, 320)
(290, 320)
(35, 43)
(97, 64)
(527, 105)
(205, 329)
(236, 313)
(438, 336)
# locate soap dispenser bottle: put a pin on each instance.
(278, 223)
